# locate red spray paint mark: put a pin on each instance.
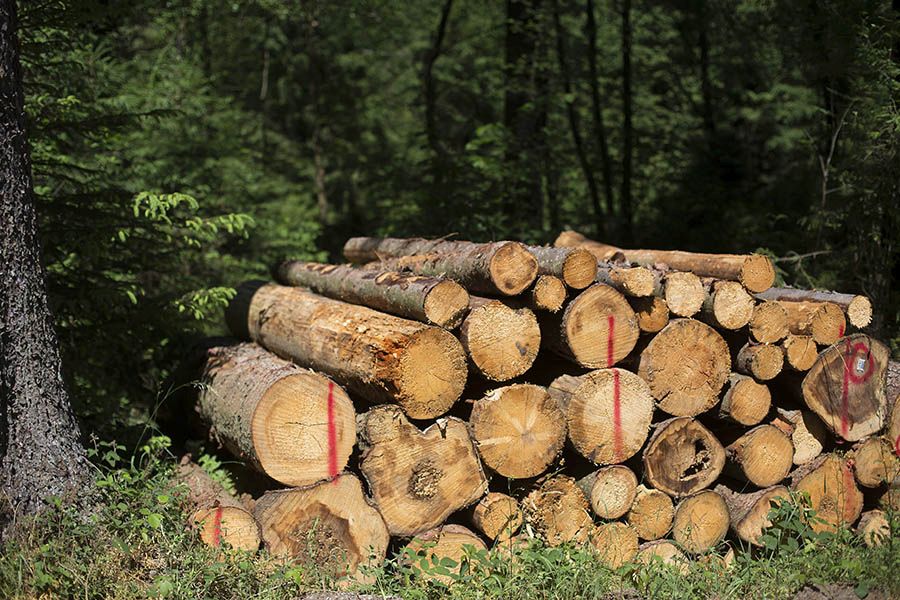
(610, 340)
(841, 331)
(850, 376)
(332, 436)
(617, 417)
(897, 446)
(217, 527)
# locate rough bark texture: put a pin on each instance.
(418, 478)
(453, 542)
(501, 339)
(762, 361)
(498, 516)
(745, 402)
(750, 511)
(40, 449)
(576, 267)
(381, 357)
(652, 313)
(505, 268)
(433, 300)
(682, 457)
(769, 323)
(651, 513)
(832, 491)
(558, 511)
(610, 491)
(701, 521)
(763, 456)
(548, 293)
(857, 308)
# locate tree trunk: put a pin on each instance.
(548, 294)
(800, 352)
(431, 56)
(763, 456)
(40, 449)
(651, 513)
(682, 457)
(378, 356)
(519, 430)
(504, 268)
(497, 516)
(857, 308)
(750, 511)
(610, 491)
(652, 313)
(501, 341)
(701, 521)
(746, 402)
(824, 321)
(769, 323)
(627, 126)
(418, 478)
(590, 28)
(575, 266)
(433, 300)
(832, 491)
(762, 361)
(603, 252)
(558, 512)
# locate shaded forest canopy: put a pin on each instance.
(182, 146)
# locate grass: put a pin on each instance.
(136, 545)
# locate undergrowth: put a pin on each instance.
(136, 545)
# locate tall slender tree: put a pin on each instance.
(627, 125)
(590, 27)
(40, 449)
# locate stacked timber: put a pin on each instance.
(458, 395)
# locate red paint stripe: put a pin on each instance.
(897, 446)
(217, 527)
(617, 417)
(610, 340)
(845, 394)
(841, 331)
(332, 436)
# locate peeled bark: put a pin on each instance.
(652, 313)
(874, 528)
(684, 293)
(505, 268)
(418, 478)
(745, 402)
(763, 456)
(808, 433)
(615, 544)
(857, 308)
(548, 293)
(519, 430)
(328, 526)
(651, 513)
(701, 521)
(576, 267)
(762, 361)
(558, 511)
(846, 387)
(875, 462)
(453, 542)
(686, 366)
(610, 491)
(800, 352)
(597, 329)
(294, 425)
(432, 300)
(824, 321)
(500, 340)
(727, 304)
(750, 512)
(832, 492)
(769, 323)
(218, 517)
(498, 516)
(682, 457)
(380, 357)
(608, 413)
(636, 282)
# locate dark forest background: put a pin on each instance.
(182, 146)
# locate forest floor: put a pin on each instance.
(136, 545)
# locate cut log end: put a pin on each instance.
(762, 361)
(638, 282)
(875, 462)
(746, 402)
(701, 521)
(502, 342)
(227, 526)
(808, 433)
(824, 321)
(558, 511)
(757, 273)
(684, 293)
(513, 268)
(610, 491)
(769, 323)
(446, 304)
(682, 457)
(859, 312)
(615, 544)
(651, 513)
(431, 374)
(832, 491)
(453, 542)
(750, 512)
(579, 269)
(652, 313)
(665, 553)
(548, 293)
(800, 352)
(598, 329)
(874, 528)
(729, 305)
(498, 516)
(763, 456)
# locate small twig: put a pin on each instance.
(799, 257)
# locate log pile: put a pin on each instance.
(451, 395)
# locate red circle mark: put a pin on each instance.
(851, 354)
(610, 340)
(617, 417)
(217, 527)
(332, 436)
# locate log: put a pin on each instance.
(800, 352)
(453, 542)
(832, 492)
(892, 393)
(857, 308)
(602, 252)
(769, 323)
(608, 413)
(504, 268)
(597, 328)
(763, 456)
(328, 526)
(548, 293)
(610, 491)
(500, 339)
(614, 544)
(745, 402)
(684, 293)
(292, 424)
(433, 300)
(576, 267)
(558, 511)
(874, 528)
(824, 321)
(808, 433)
(638, 282)
(890, 500)
(652, 313)
(418, 478)
(519, 430)
(213, 512)
(874, 462)
(380, 357)
(686, 365)
(701, 522)
(762, 361)
(665, 553)
(845, 387)
(749, 512)
(682, 457)
(727, 304)
(498, 517)
(651, 513)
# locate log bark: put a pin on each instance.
(727, 304)
(857, 308)
(418, 478)
(763, 456)
(498, 517)
(651, 513)
(504, 268)
(432, 300)
(824, 321)
(874, 528)
(800, 352)
(684, 293)
(610, 491)
(500, 340)
(652, 313)
(874, 462)
(597, 328)
(845, 387)
(754, 271)
(519, 430)
(576, 267)
(762, 361)
(745, 402)
(294, 425)
(453, 542)
(329, 526)
(832, 491)
(686, 365)
(769, 323)
(682, 457)
(808, 433)
(217, 516)
(637, 282)
(548, 293)
(558, 511)
(663, 552)
(614, 544)
(701, 522)
(749, 512)
(608, 413)
(380, 357)
(602, 252)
